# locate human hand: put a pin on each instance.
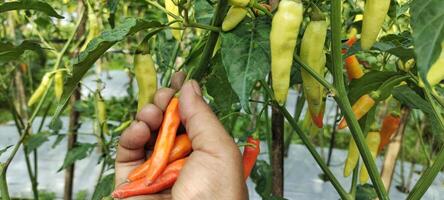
(214, 168)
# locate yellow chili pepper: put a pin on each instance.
(146, 77)
(372, 140)
(234, 16)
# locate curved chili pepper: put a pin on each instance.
(352, 65)
(165, 181)
(372, 140)
(389, 126)
(165, 141)
(251, 151)
(182, 147)
(360, 108)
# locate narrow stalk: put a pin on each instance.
(430, 174)
(315, 75)
(203, 26)
(344, 104)
(201, 70)
(333, 137)
(277, 151)
(297, 113)
(3, 184)
(354, 181)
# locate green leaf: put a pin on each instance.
(35, 140)
(79, 152)
(219, 88)
(397, 45)
(4, 149)
(96, 48)
(365, 192)
(9, 52)
(261, 176)
(30, 5)
(246, 56)
(203, 11)
(58, 140)
(369, 82)
(104, 187)
(412, 99)
(427, 22)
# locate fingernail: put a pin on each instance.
(196, 87)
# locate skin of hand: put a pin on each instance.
(214, 168)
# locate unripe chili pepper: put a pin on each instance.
(101, 114)
(360, 108)
(312, 54)
(93, 27)
(165, 181)
(234, 16)
(372, 140)
(249, 157)
(284, 31)
(174, 9)
(146, 77)
(182, 147)
(40, 91)
(436, 72)
(389, 126)
(352, 158)
(165, 141)
(374, 15)
(58, 84)
(239, 3)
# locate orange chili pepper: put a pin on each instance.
(352, 65)
(388, 128)
(165, 141)
(165, 181)
(182, 147)
(360, 108)
(250, 155)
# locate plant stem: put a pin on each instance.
(202, 69)
(354, 181)
(203, 26)
(333, 137)
(315, 75)
(3, 184)
(344, 104)
(277, 151)
(430, 174)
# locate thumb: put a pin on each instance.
(204, 129)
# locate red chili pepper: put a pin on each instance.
(182, 147)
(251, 151)
(352, 65)
(388, 128)
(165, 141)
(165, 181)
(360, 108)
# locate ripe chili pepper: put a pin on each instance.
(234, 16)
(146, 77)
(174, 9)
(58, 84)
(374, 15)
(389, 126)
(352, 65)
(249, 157)
(165, 181)
(360, 108)
(372, 140)
(40, 91)
(164, 142)
(182, 147)
(312, 54)
(284, 31)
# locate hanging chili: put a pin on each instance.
(389, 126)
(374, 15)
(249, 157)
(58, 85)
(360, 108)
(146, 77)
(234, 16)
(372, 140)
(40, 91)
(284, 31)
